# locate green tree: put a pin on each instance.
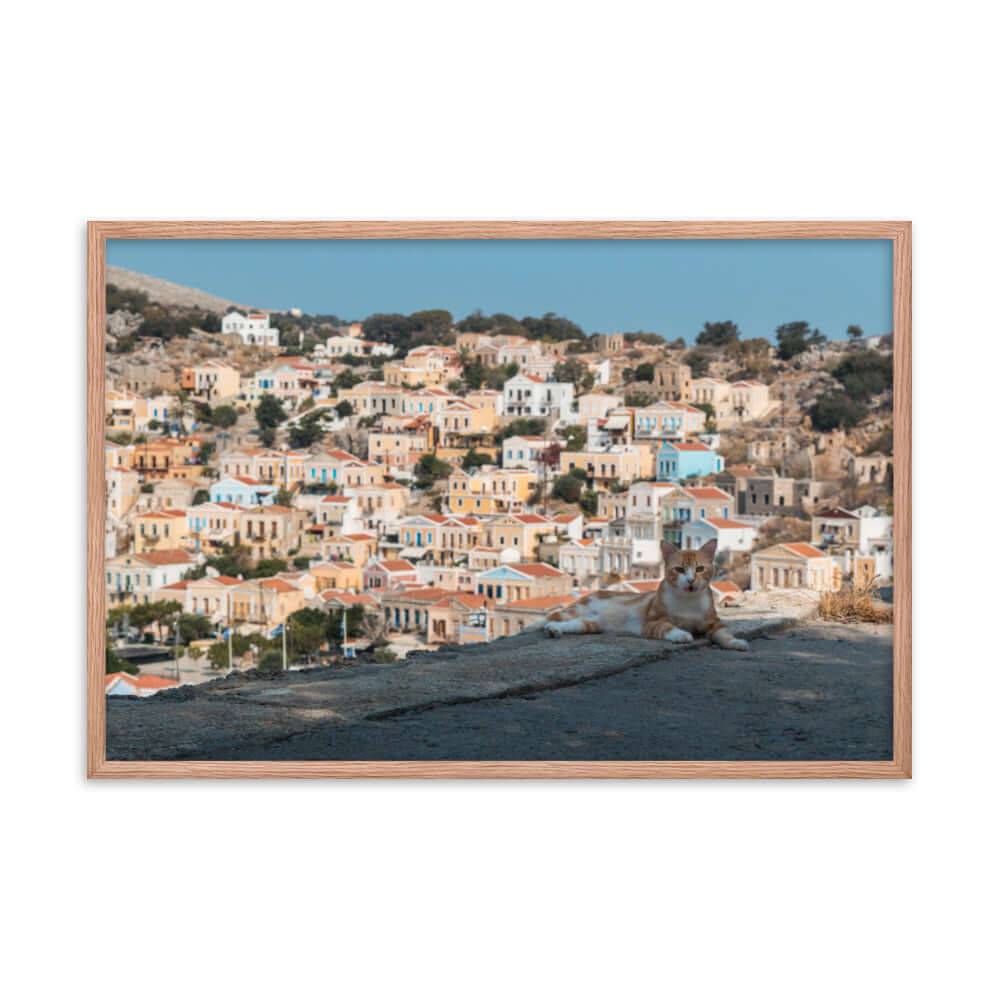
(114, 664)
(475, 322)
(795, 338)
(269, 412)
(552, 328)
(639, 398)
(309, 429)
(344, 408)
(855, 332)
(474, 459)
(718, 334)
(224, 416)
(568, 488)
(201, 496)
(523, 427)
(436, 322)
(698, 361)
(429, 469)
(218, 652)
(835, 409)
(864, 374)
(574, 371)
(644, 337)
(272, 662)
(191, 627)
(709, 412)
(576, 437)
(644, 373)
(392, 328)
(588, 502)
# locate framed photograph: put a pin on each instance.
(499, 499)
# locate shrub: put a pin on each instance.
(568, 488)
(271, 662)
(864, 374)
(835, 409)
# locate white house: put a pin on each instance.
(731, 536)
(134, 577)
(581, 559)
(530, 396)
(136, 686)
(525, 452)
(847, 534)
(254, 328)
(338, 345)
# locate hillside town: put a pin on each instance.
(283, 489)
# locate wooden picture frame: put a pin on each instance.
(898, 232)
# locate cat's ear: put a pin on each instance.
(667, 550)
(708, 550)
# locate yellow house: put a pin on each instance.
(264, 603)
(463, 418)
(403, 374)
(489, 491)
(336, 576)
(398, 449)
(160, 529)
(622, 463)
(272, 531)
(168, 458)
(355, 548)
(214, 380)
(793, 565)
(518, 531)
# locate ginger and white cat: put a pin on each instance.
(681, 608)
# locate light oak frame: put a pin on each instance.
(900, 234)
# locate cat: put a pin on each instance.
(681, 608)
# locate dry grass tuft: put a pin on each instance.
(855, 605)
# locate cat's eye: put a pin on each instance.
(700, 569)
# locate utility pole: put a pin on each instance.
(177, 640)
(284, 646)
(229, 629)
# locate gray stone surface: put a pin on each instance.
(816, 692)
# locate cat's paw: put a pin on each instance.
(741, 644)
(678, 635)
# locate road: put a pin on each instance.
(816, 692)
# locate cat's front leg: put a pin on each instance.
(724, 638)
(661, 628)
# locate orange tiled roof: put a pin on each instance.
(397, 565)
(537, 569)
(430, 594)
(346, 597)
(706, 493)
(165, 557)
(689, 445)
(721, 522)
(804, 549)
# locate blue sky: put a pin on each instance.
(669, 287)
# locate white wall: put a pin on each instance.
(729, 889)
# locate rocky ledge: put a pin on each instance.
(307, 714)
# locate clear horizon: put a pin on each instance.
(669, 287)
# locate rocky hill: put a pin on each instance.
(166, 292)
